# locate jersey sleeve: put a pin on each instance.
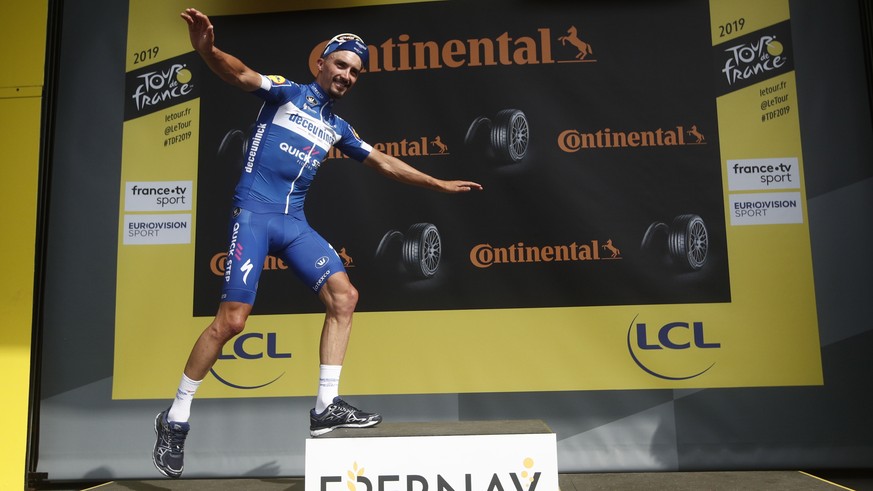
(350, 143)
(277, 89)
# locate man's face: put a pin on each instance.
(338, 72)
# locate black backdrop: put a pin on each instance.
(551, 197)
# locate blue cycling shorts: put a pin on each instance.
(253, 236)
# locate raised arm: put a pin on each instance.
(226, 66)
(401, 171)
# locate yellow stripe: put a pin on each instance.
(825, 480)
(99, 486)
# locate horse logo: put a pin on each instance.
(572, 37)
(438, 142)
(611, 248)
(347, 260)
(696, 134)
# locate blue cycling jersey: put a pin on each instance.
(295, 129)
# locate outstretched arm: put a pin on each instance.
(226, 66)
(401, 171)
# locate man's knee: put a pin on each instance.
(346, 298)
(230, 321)
(339, 295)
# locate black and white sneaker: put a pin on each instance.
(340, 414)
(169, 449)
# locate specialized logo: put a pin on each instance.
(674, 351)
(247, 347)
(574, 140)
(539, 46)
(486, 255)
(246, 268)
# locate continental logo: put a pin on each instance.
(486, 255)
(540, 46)
(407, 147)
(573, 140)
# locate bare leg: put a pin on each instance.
(229, 321)
(339, 298)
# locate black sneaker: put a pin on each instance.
(340, 414)
(169, 445)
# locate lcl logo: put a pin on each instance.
(251, 346)
(672, 336)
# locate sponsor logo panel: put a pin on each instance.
(522, 462)
(574, 140)
(766, 208)
(160, 86)
(236, 363)
(157, 195)
(535, 46)
(753, 58)
(763, 174)
(157, 229)
(673, 350)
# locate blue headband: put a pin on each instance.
(348, 42)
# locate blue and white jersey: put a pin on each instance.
(294, 131)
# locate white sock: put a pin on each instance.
(180, 411)
(328, 386)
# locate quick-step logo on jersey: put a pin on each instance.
(305, 155)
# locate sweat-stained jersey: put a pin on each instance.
(292, 136)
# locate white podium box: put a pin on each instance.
(443, 456)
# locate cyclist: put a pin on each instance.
(295, 129)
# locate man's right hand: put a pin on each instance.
(228, 68)
(200, 30)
